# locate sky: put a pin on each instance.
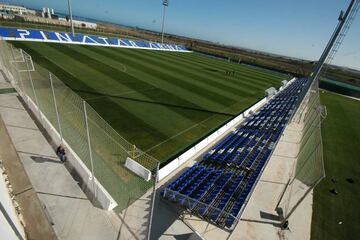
(292, 28)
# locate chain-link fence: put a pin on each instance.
(308, 168)
(79, 127)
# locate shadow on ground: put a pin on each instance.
(44, 159)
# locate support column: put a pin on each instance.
(90, 150)
(56, 108)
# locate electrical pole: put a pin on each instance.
(165, 4)
(71, 18)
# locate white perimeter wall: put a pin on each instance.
(101, 195)
(180, 160)
(209, 140)
(6, 231)
(103, 198)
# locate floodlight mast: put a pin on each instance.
(71, 18)
(343, 18)
(165, 4)
(334, 42)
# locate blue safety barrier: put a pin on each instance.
(16, 34)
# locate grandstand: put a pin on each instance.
(218, 187)
(108, 104)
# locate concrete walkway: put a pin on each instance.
(259, 220)
(73, 216)
(34, 219)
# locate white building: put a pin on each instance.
(47, 12)
(16, 9)
(4, 15)
(81, 24)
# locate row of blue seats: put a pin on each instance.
(219, 145)
(193, 185)
(237, 206)
(224, 199)
(226, 143)
(203, 208)
(231, 141)
(239, 159)
(197, 195)
(231, 144)
(239, 201)
(230, 156)
(246, 142)
(179, 180)
(268, 113)
(188, 180)
(235, 144)
(213, 189)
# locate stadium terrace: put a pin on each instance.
(218, 187)
(61, 37)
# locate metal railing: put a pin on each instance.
(308, 168)
(101, 149)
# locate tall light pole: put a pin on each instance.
(165, 4)
(71, 18)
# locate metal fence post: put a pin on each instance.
(12, 52)
(32, 86)
(153, 201)
(56, 108)
(89, 145)
(2, 59)
(13, 64)
(20, 80)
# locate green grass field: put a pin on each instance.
(160, 101)
(341, 141)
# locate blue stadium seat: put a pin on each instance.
(219, 181)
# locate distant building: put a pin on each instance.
(81, 24)
(5, 15)
(8, 8)
(46, 16)
(48, 13)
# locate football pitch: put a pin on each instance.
(336, 216)
(162, 102)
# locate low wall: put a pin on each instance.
(209, 140)
(102, 197)
(190, 153)
(9, 221)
